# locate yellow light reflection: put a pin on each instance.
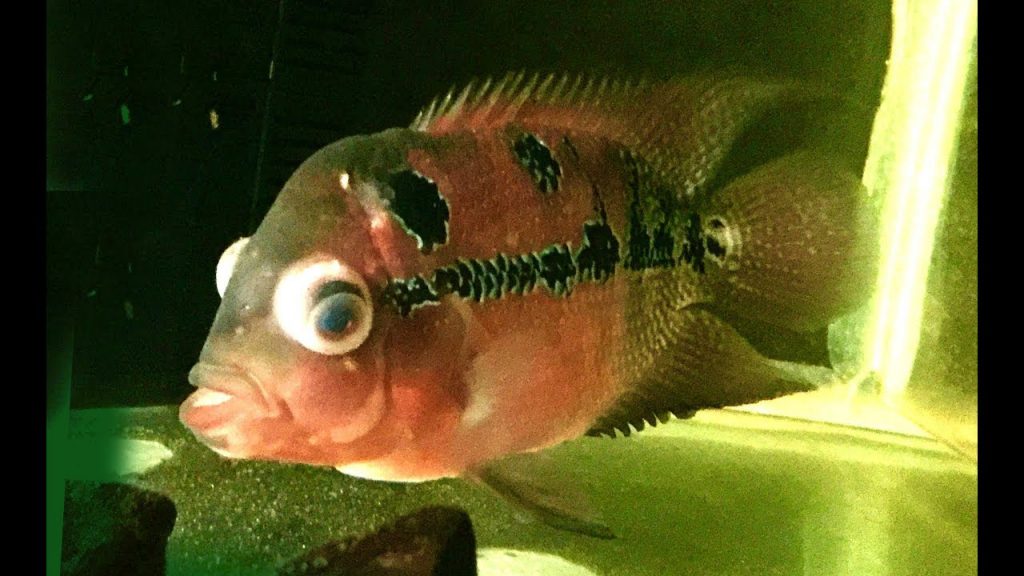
(909, 161)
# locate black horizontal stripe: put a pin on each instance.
(558, 268)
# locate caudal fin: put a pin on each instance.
(793, 243)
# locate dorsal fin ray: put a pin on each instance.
(683, 127)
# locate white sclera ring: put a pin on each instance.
(294, 300)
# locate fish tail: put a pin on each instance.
(793, 243)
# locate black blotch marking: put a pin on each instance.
(662, 247)
(536, 157)
(446, 281)
(501, 265)
(528, 268)
(693, 244)
(511, 283)
(649, 239)
(407, 295)
(712, 240)
(716, 249)
(638, 240)
(465, 278)
(492, 281)
(557, 268)
(487, 280)
(420, 207)
(599, 254)
(476, 280)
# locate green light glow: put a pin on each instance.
(140, 456)
(509, 562)
(911, 150)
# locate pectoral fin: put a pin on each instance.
(536, 484)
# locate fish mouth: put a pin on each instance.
(226, 394)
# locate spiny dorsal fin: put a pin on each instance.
(682, 127)
(493, 103)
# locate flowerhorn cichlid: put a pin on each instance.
(533, 260)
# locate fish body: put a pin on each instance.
(533, 260)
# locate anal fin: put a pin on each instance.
(705, 364)
(778, 342)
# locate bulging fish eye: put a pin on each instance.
(324, 305)
(226, 264)
(339, 309)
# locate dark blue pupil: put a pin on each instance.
(336, 314)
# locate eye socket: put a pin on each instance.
(324, 305)
(226, 264)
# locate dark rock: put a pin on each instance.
(115, 529)
(432, 541)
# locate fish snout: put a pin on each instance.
(229, 400)
(219, 383)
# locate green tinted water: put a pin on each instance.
(724, 493)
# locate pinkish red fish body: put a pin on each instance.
(530, 262)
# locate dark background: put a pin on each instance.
(145, 189)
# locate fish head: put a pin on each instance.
(296, 366)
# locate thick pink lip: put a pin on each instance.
(225, 394)
(229, 380)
